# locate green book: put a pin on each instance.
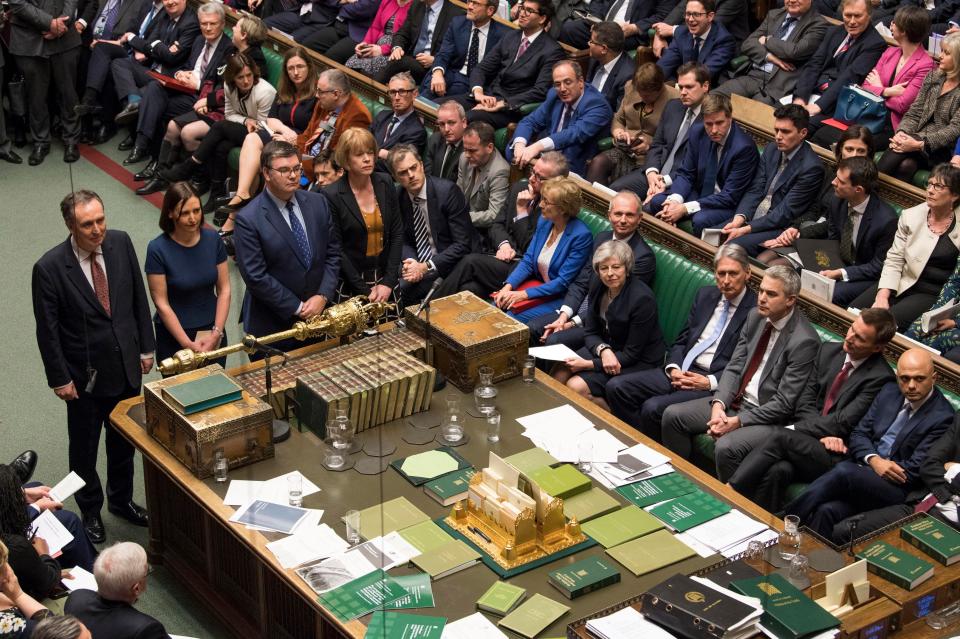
(501, 598)
(419, 592)
(426, 536)
(584, 576)
(397, 625)
(447, 559)
(589, 505)
(203, 393)
(450, 488)
(683, 513)
(651, 552)
(787, 612)
(895, 565)
(651, 491)
(384, 518)
(420, 468)
(535, 614)
(530, 460)
(364, 594)
(563, 481)
(621, 526)
(934, 537)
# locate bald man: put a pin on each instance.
(886, 451)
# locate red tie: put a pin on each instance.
(753, 365)
(100, 287)
(835, 387)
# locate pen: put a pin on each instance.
(479, 533)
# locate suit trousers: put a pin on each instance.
(640, 399)
(405, 63)
(291, 22)
(496, 119)
(572, 337)
(905, 307)
(576, 33)
(322, 39)
(457, 84)
(341, 50)
(479, 273)
(705, 218)
(635, 181)
(850, 488)
(61, 68)
(79, 552)
(751, 241)
(414, 292)
(5, 143)
(157, 106)
(86, 416)
(752, 85)
(845, 292)
(99, 66)
(129, 77)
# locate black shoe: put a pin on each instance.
(83, 109)
(11, 157)
(39, 152)
(136, 515)
(227, 238)
(138, 155)
(179, 172)
(103, 133)
(93, 525)
(146, 173)
(128, 142)
(71, 153)
(24, 464)
(201, 185)
(155, 185)
(128, 115)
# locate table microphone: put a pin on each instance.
(426, 299)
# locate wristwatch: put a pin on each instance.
(601, 348)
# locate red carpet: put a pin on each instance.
(118, 172)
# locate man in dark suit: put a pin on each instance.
(418, 41)
(445, 145)
(46, 46)
(517, 71)
(670, 139)
(609, 69)
(305, 18)
(465, 43)
(788, 180)
(635, 17)
(846, 55)
(849, 374)
(700, 352)
(437, 232)
(886, 449)
(863, 224)
(288, 248)
(732, 14)
(699, 40)
(570, 120)
(338, 39)
(7, 154)
(483, 273)
(785, 40)
(761, 384)
(95, 337)
(939, 474)
(402, 125)
(716, 172)
(122, 572)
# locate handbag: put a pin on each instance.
(856, 106)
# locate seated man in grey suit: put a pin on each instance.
(848, 376)
(483, 176)
(760, 387)
(445, 145)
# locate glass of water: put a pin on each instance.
(352, 520)
(334, 457)
(295, 489)
(220, 466)
(788, 543)
(493, 427)
(529, 369)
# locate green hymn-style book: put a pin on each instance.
(447, 559)
(364, 594)
(589, 505)
(202, 393)
(419, 592)
(693, 509)
(533, 615)
(651, 491)
(621, 526)
(895, 565)
(582, 577)
(651, 552)
(530, 460)
(450, 488)
(934, 537)
(501, 598)
(398, 625)
(384, 518)
(425, 536)
(563, 481)
(787, 612)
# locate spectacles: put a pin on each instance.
(288, 171)
(694, 14)
(938, 187)
(539, 176)
(398, 92)
(319, 91)
(595, 43)
(476, 3)
(528, 10)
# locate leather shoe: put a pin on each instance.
(71, 153)
(138, 155)
(148, 172)
(135, 514)
(39, 152)
(128, 115)
(83, 109)
(103, 133)
(11, 157)
(93, 526)
(154, 185)
(127, 143)
(24, 464)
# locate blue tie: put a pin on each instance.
(700, 349)
(300, 235)
(889, 437)
(710, 172)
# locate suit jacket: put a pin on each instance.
(353, 114)
(524, 81)
(433, 157)
(353, 232)
(30, 18)
(855, 396)
(783, 377)
(874, 237)
(913, 442)
(715, 53)
(616, 82)
(269, 261)
(732, 14)
(700, 313)
(211, 75)
(850, 67)
(506, 228)
(578, 141)
(75, 333)
(799, 47)
(489, 189)
(358, 16)
(115, 619)
(631, 327)
(933, 120)
(666, 135)
(912, 74)
(129, 16)
(409, 131)
(406, 38)
(39, 575)
(450, 226)
(911, 248)
(738, 163)
(794, 192)
(946, 449)
(161, 35)
(456, 43)
(643, 13)
(572, 251)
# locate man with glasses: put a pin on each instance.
(337, 110)
(418, 41)
(288, 249)
(464, 45)
(609, 69)
(401, 125)
(635, 18)
(699, 40)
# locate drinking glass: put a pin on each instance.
(352, 519)
(529, 369)
(493, 427)
(220, 467)
(789, 540)
(334, 457)
(798, 571)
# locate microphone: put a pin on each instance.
(426, 300)
(252, 343)
(852, 523)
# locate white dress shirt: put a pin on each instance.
(859, 209)
(482, 33)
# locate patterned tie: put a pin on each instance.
(846, 237)
(205, 59)
(701, 348)
(709, 185)
(104, 28)
(147, 21)
(681, 137)
(598, 78)
(752, 365)
(524, 44)
(394, 121)
(785, 27)
(426, 33)
(843, 46)
(100, 287)
(835, 387)
(614, 10)
(421, 234)
(299, 235)
(890, 437)
(767, 201)
(473, 52)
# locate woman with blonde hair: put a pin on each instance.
(19, 612)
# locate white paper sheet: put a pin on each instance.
(627, 623)
(727, 530)
(553, 353)
(66, 487)
(49, 528)
(242, 491)
(80, 580)
(764, 538)
(264, 515)
(308, 544)
(474, 626)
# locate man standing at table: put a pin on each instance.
(95, 336)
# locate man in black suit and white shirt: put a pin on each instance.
(610, 69)
(95, 337)
(402, 125)
(445, 145)
(418, 41)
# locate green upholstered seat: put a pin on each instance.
(605, 144)
(675, 286)
(920, 179)
(594, 221)
(274, 66)
(500, 139)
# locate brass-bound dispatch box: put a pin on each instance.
(242, 429)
